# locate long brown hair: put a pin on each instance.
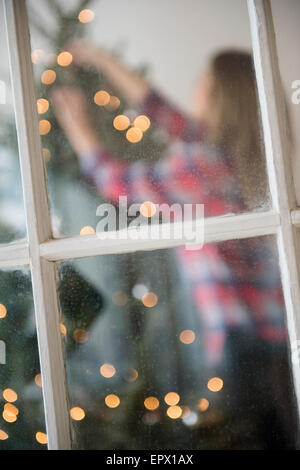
(236, 122)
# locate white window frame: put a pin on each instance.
(41, 251)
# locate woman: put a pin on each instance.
(214, 158)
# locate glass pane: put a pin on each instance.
(22, 424)
(179, 349)
(153, 110)
(12, 217)
(288, 36)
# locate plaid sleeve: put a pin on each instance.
(190, 173)
(168, 118)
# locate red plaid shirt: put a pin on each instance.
(234, 284)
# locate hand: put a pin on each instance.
(86, 54)
(71, 109)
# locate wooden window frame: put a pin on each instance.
(41, 251)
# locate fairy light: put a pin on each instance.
(151, 403)
(10, 395)
(77, 413)
(120, 298)
(44, 127)
(80, 336)
(142, 122)
(64, 59)
(101, 98)
(48, 77)
(46, 154)
(38, 380)
(139, 290)
(174, 412)
(37, 55)
(172, 398)
(203, 404)
(87, 230)
(3, 435)
(3, 311)
(215, 384)
(62, 329)
(134, 135)
(42, 105)
(41, 438)
(107, 370)
(147, 209)
(11, 409)
(150, 299)
(86, 15)
(113, 104)
(187, 336)
(121, 122)
(112, 401)
(9, 417)
(131, 375)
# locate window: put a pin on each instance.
(54, 261)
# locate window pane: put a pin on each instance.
(22, 424)
(12, 217)
(288, 36)
(182, 127)
(179, 349)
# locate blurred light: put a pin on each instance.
(131, 375)
(48, 77)
(150, 299)
(119, 298)
(3, 311)
(87, 230)
(62, 329)
(174, 412)
(80, 335)
(139, 290)
(9, 416)
(172, 398)
(107, 370)
(112, 401)
(101, 98)
(64, 59)
(121, 122)
(38, 380)
(187, 336)
(37, 55)
(151, 418)
(10, 395)
(46, 154)
(77, 413)
(86, 15)
(44, 127)
(142, 122)
(151, 403)
(41, 437)
(215, 384)
(113, 104)
(3, 435)
(42, 105)
(148, 209)
(11, 409)
(185, 411)
(203, 404)
(134, 135)
(190, 419)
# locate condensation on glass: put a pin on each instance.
(12, 216)
(179, 349)
(22, 424)
(193, 137)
